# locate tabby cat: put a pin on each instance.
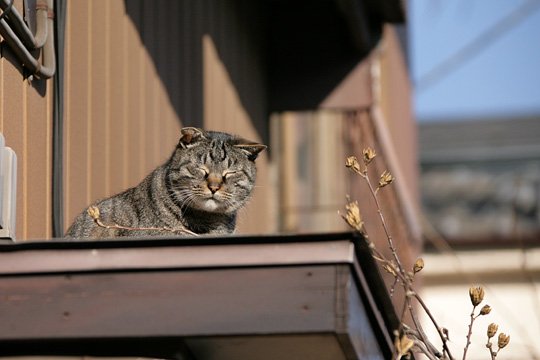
(209, 176)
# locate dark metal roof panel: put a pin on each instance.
(195, 296)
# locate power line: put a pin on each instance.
(477, 45)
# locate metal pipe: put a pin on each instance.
(49, 59)
(57, 190)
(18, 48)
(33, 65)
(19, 26)
(42, 28)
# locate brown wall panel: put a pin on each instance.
(38, 163)
(148, 74)
(14, 127)
(133, 124)
(78, 110)
(397, 107)
(98, 99)
(133, 76)
(117, 76)
(133, 81)
(25, 115)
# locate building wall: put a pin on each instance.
(26, 123)
(135, 73)
(119, 120)
(370, 107)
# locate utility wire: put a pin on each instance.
(477, 45)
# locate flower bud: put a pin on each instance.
(492, 330)
(503, 340)
(352, 163)
(353, 216)
(385, 179)
(403, 345)
(418, 265)
(390, 269)
(93, 211)
(486, 309)
(369, 154)
(477, 295)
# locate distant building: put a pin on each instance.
(480, 187)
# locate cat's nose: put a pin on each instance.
(214, 183)
(214, 187)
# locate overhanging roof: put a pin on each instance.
(286, 297)
(314, 45)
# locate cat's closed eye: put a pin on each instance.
(204, 172)
(229, 174)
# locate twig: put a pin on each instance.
(415, 333)
(419, 328)
(393, 287)
(437, 327)
(492, 354)
(383, 222)
(469, 333)
(93, 212)
(165, 228)
(424, 350)
(394, 267)
(406, 281)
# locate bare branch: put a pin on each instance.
(94, 213)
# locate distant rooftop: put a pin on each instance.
(481, 179)
(479, 140)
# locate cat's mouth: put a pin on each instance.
(210, 204)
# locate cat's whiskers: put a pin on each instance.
(187, 199)
(183, 198)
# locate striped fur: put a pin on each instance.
(209, 176)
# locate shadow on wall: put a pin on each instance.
(39, 85)
(280, 55)
(172, 32)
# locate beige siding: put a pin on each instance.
(396, 104)
(153, 79)
(314, 181)
(25, 121)
(312, 186)
(312, 147)
(135, 71)
(120, 121)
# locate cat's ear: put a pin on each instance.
(252, 149)
(190, 136)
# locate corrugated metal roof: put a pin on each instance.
(485, 140)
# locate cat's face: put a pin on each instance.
(212, 171)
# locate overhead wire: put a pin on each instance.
(476, 46)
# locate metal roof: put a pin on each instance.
(286, 297)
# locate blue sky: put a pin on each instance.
(495, 77)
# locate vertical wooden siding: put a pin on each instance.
(310, 158)
(25, 122)
(135, 72)
(119, 120)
